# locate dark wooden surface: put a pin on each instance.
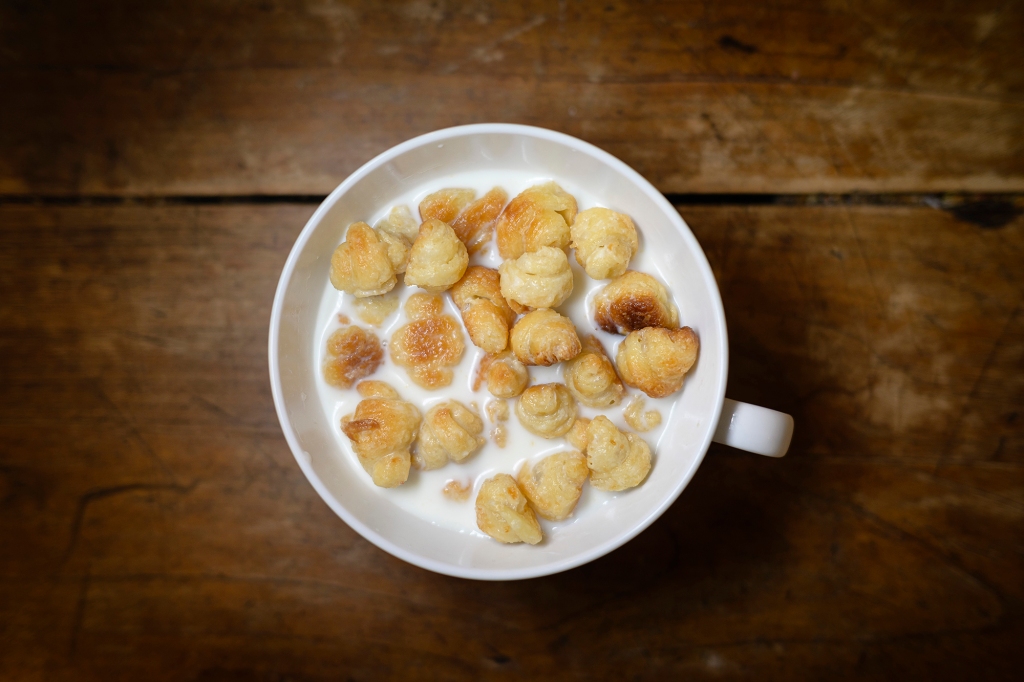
(153, 523)
(201, 97)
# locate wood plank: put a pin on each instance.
(154, 523)
(290, 97)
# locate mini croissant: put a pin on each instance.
(475, 224)
(437, 259)
(361, 265)
(591, 377)
(547, 410)
(505, 375)
(554, 485)
(538, 216)
(605, 241)
(656, 360)
(445, 204)
(633, 301)
(450, 431)
(486, 314)
(430, 344)
(617, 460)
(353, 353)
(381, 430)
(504, 513)
(544, 337)
(538, 279)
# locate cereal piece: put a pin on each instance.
(538, 216)
(450, 431)
(400, 222)
(638, 419)
(539, 279)
(381, 430)
(446, 204)
(343, 318)
(503, 512)
(500, 434)
(375, 309)
(352, 354)
(437, 259)
(457, 491)
(547, 410)
(656, 360)
(475, 224)
(398, 231)
(376, 389)
(577, 435)
(486, 314)
(543, 337)
(505, 375)
(554, 485)
(591, 377)
(617, 460)
(605, 241)
(634, 301)
(497, 410)
(360, 265)
(430, 344)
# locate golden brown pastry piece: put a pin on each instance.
(605, 241)
(486, 314)
(505, 375)
(376, 389)
(503, 512)
(382, 429)
(656, 360)
(538, 216)
(437, 259)
(353, 353)
(539, 279)
(543, 337)
(446, 204)
(591, 377)
(398, 231)
(360, 265)
(554, 485)
(450, 431)
(634, 301)
(475, 224)
(617, 460)
(430, 344)
(547, 410)
(577, 435)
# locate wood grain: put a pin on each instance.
(154, 524)
(290, 97)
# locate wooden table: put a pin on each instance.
(854, 171)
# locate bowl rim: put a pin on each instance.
(305, 463)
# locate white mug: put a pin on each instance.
(703, 414)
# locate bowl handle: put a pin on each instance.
(755, 429)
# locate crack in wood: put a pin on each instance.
(97, 494)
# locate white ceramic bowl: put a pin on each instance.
(693, 423)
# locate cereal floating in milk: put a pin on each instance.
(566, 315)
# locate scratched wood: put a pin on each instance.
(153, 524)
(289, 97)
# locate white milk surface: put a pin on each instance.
(422, 493)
